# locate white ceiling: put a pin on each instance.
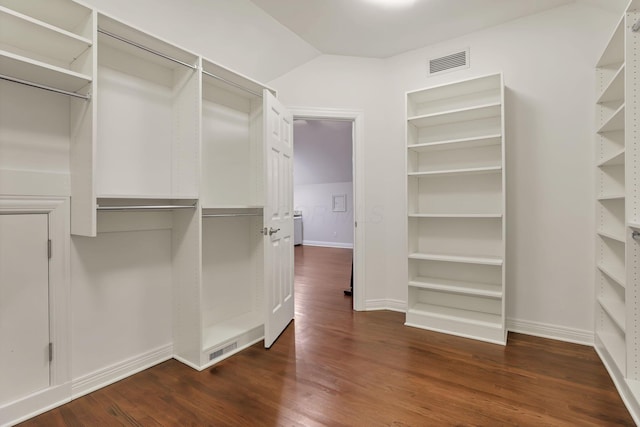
(368, 28)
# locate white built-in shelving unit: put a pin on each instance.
(617, 149)
(140, 135)
(456, 208)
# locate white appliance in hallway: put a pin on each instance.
(297, 227)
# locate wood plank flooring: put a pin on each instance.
(336, 367)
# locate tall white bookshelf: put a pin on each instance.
(456, 208)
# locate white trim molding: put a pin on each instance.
(555, 332)
(327, 244)
(118, 371)
(386, 304)
(359, 209)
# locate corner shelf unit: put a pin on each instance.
(456, 208)
(610, 204)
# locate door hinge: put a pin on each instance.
(50, 352)
(356, 224)
(49, 248)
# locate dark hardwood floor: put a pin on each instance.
(335, 367)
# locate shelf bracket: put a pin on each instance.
(635, 235)
(636, 26)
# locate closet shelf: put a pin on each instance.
(607, 197)
(49, 11)
(614, 52)
(614, 346)
(635, 225)
(615, 122)
(488, 290)
(615, 310)
(214, 335)
(31, 35)
(614, 160)
(613, 236)
(457, 144)
(615, 89)
(488, 320)
(23, 68)
(616, 278)
(482, 260)
(455, 215)
(466, 171)
(459, 115)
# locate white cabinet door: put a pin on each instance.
(24, 305)
(278, 218)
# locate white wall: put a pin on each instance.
(323, 167)
(548, 63)
(234, 33)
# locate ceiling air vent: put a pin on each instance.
(450, 62)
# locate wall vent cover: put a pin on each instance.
(224, 350)
(450, 62)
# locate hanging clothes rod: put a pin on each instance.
(144, 207)
(229, 215)
(49, 88)
(229, 82)
(147, 49)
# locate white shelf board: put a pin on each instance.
(615, 89)
(466, 316)
(634, 225)
(615, 122)
(455, 215)
(32, 35)
(219, 333)
(146, 196)
(615, 310)
(613, 236)
(614, 160)
(482, 260)
(466, 171)
(606, 197)
(232, 207)
(619, 280)
(65, 14)
(456, 144)
(615, 348)
(489, 290)
(614, 51)
(41, 73)
(459, 115)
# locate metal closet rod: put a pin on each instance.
(229, 215)
(234, 84)
(49, 88)
(147, 49)
(144, 207)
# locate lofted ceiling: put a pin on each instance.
(384, 28)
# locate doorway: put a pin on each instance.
(331, 215)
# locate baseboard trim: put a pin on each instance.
(33, 405)
(385, 304)
(111, 374)
(544, 330)
(327, 244)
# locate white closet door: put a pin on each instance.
(24, 305)
(278, 219)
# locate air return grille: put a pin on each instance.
(224, 350)
(450, 62)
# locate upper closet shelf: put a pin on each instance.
(455, 215)
(615, 89)
(454, 116)
(488, 290)
(59, 13)
(615, 122)
(25, 33)
(466, 171)
(457, 144)
(22, 68)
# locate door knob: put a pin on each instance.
(273, 231)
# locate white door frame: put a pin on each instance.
(59, 391)
(357, 117)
